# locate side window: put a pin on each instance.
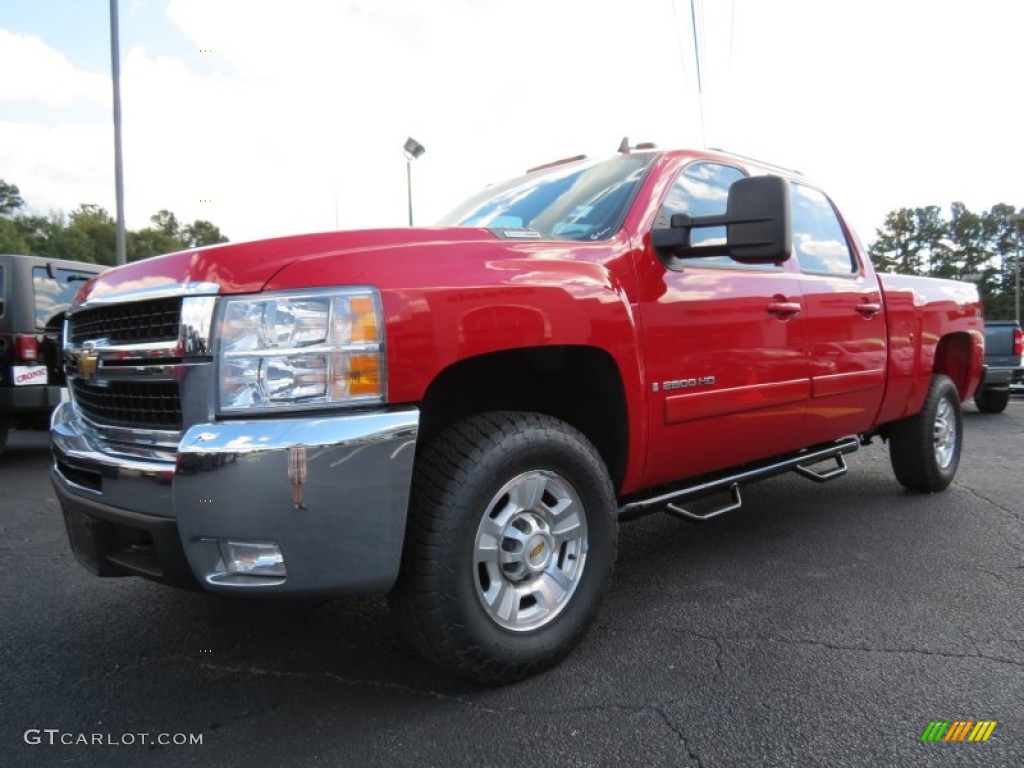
(819, 242)
(701, 189)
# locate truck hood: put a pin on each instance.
(247, 267)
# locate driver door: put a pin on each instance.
(725, 345)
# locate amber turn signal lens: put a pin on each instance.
(363, 375)
(364, 319)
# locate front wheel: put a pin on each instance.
(925, 448)
(510, 545)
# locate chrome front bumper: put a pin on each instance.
(233, 481)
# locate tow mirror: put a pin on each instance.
(757, 220)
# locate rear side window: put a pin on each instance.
(54, 294)
(3, 304)
(819, 242)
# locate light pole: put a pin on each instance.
(1016, 218)
(413, 149)
(115, 76)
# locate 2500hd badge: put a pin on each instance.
(702, 381)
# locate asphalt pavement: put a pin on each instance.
(821, 625)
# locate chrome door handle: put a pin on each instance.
(784, 308)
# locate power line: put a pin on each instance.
(700, 79)
(696, 46)
(684, 58)
(678, 27)
(732, 32)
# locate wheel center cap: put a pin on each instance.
(538, 552)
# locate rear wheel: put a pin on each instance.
(925, 448)
(510, 546)
(992, 401)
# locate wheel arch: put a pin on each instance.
(579, 384)
(955, 357)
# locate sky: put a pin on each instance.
(272, 118)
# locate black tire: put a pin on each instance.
(925, 448)
(992, 400)
(439, 602)
(3, 437)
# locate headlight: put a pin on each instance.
(300, 350)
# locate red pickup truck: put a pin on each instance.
(459, 416)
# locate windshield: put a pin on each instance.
(585, 200)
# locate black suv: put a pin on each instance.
(34, 293)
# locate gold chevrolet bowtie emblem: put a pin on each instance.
(87, 363)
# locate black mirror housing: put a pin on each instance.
(759, 226)
(757, 220)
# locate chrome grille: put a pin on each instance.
(147, 405)
(144, 321)
(138, 371)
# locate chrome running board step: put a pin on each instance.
(802, 462)
(737, 501)
(804, 470)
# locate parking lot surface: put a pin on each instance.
(819, 625)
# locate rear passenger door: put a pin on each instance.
(845, 321)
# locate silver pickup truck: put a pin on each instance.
(1004, 345)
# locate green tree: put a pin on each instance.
(11, 238)
(201, 232)
(977, 247)
(168, 235)
(1004, 245)
(100, 228)
(151, 241)
(973, 253)
(908, 239)
(89, 232)
(51, 236)
(10, 198)
(166, 222)
(893, 249)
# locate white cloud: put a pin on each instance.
(33, 71)
(829, 249)
(58, 166)
(489, 88)
(301, 122)
(297, 118)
